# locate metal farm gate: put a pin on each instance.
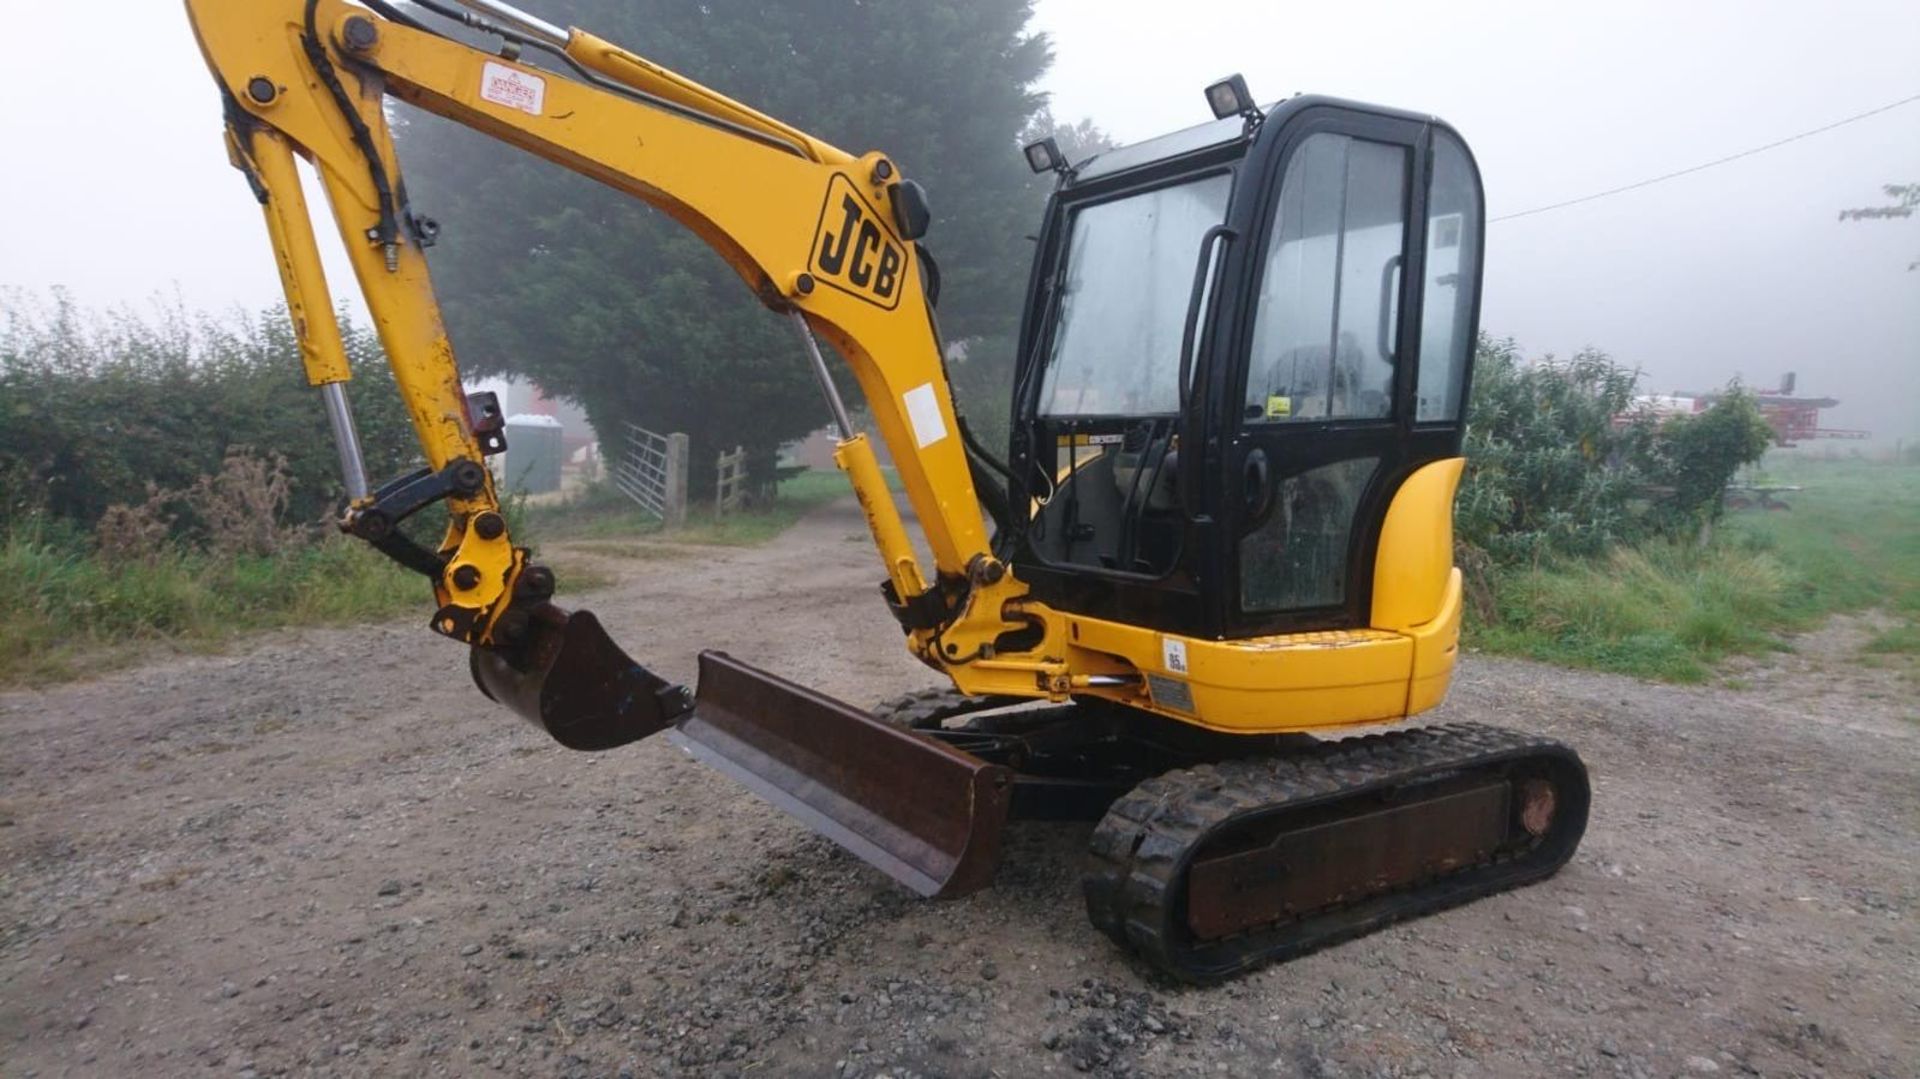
(651, 469)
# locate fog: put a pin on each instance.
(117, 187)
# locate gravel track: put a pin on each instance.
(329, 855)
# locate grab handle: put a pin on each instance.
(1202, 272)
(1387, 306)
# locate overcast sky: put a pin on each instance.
(118, 188)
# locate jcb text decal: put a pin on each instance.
(852, 250)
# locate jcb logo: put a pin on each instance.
(852, 252)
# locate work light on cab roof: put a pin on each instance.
(1230, 97)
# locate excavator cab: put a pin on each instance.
(1240, 340)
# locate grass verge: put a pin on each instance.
(1661, 611)
(1851, 542)
(66, 612)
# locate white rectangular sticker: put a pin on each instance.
(923, 409)
(1173, 655)
(513, 88)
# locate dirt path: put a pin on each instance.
(329, 855)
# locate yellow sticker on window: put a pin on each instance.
(1279, 408)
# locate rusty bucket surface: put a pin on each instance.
(572, 681)
(927, 815)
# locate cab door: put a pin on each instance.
(1317, 381)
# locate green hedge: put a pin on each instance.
(1560, 463)
(95, 407)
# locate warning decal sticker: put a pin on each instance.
(513, 88)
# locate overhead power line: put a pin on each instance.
(1650, 181)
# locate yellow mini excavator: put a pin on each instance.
(1217, 578)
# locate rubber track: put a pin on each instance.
(1140, 850)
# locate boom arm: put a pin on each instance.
(817, 233)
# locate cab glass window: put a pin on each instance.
(1328, 314)
(1123, 304)
(1297, 556)
(1453, 254)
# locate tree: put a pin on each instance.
(1561, 461)
(601, 299)
(1906, 197)
(1078, 141)
(1692, 458)
(1543, 454)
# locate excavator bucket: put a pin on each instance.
(572, 681)
(927, 815)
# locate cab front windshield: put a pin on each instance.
(1123, 302)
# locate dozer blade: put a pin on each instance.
(572, 681)
(927, 815)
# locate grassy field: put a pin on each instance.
(1850, 542)
(1852, 536)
